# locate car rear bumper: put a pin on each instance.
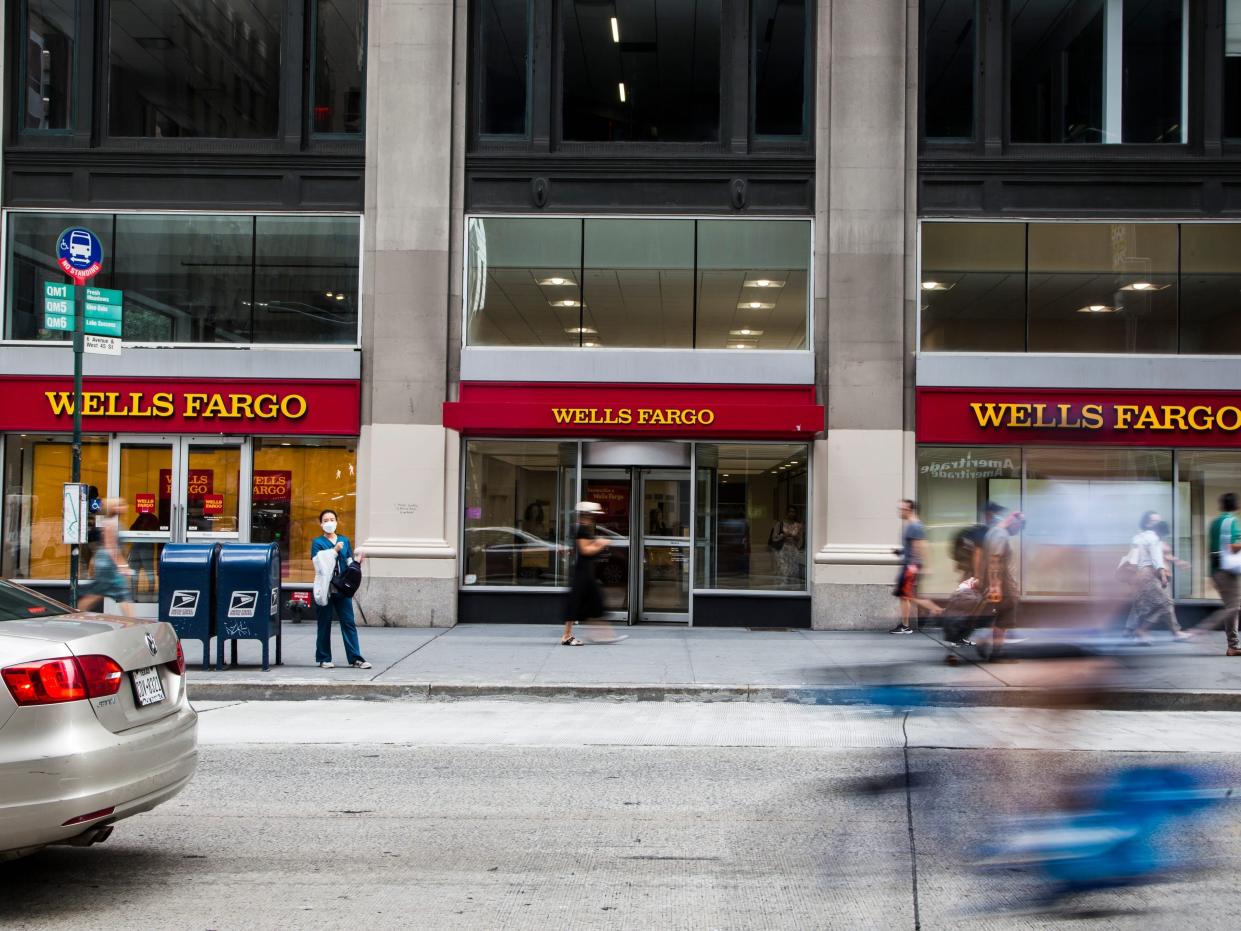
(78, 768)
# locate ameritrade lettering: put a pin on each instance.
(1198, 418)
(192, 405)
(643, 416)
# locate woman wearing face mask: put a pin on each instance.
(321, 550)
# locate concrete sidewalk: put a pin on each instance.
(696, 664)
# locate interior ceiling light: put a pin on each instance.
(567, 302)
(592, 344)
(621, 88)
(1143, 286)
(1097, 309)
(555, 282)
(745, 331)
(936, 286)
(340, 297)
(581, 329)
(763, 283)
(615, 31)
(328, 294)
(741, 345)
(755, 305)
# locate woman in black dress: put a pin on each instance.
(585, 596)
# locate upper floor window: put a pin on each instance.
(339, 66)
(207, 278)
(49, 40)
(949, 40)
(646, 283)
(587, 73)
(1081, 287)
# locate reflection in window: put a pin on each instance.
(35, 470)
(1232, 69)
(189, 68)
(949, 37)
(525, 283)
(504, 60)
(51, 37)
(1097, 71)
(641, 71)
(779, 66)
(1102, 287)
(1202, 476)
(955, 485)
(31, 260)
(973, 287)
(306, 280)
(518, 521)
(638, 283)
(1210, 288)
(752, 284)
(340, 56)
(751, 526)
(294, 479)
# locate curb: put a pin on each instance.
(935, 696)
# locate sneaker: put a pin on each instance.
(1233, 651)
(901, 629)
(360, 664)
(327, 665)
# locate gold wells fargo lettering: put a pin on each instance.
(192, 405)
(623, 416)
(1123, 418)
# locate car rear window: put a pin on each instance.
(21, 604)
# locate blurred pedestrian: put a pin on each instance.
(331, 554)
(913, 563)
(585, 595)
(111, 573)
(788, 540)
(1000, 589)
(1151, 578)
(1224, 544)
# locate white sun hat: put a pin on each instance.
(588, 507)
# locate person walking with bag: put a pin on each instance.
(1150, 578)
(585, 596)
(1224, 544)
(331, 555)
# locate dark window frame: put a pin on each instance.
(312, 46)
(544, 96)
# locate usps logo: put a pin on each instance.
(275, 601)
(242, 604)
(184, 603)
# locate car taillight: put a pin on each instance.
(67, 678)
(178, 665)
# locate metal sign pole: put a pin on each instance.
(79, 334)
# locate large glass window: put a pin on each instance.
(973, 287)
(35, 470)
(294, 480)
(779, 31)
(714, 284)
(949, 33)
(1097, 71)
(340, 58)
(751, 521)
(207, 278)
(504, 66)
(1202, 477)
(192, 68)
(641, 71)
(1210, 288)
(1232, 69)
(48, 49)
(519, 499)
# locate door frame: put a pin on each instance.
(638, 610)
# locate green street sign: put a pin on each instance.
(103, 327)
(102, 311)
(104, 296)
(63, 291)
(62, 322)
(55, 305)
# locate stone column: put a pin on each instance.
(865, 210)
(407, 461)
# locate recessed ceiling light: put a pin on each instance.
(615, 31)
(1144, 286)
(340, 297)
(567, 302)
(328, 294)
(741, 345)
(621, 88)
(1097, 309)
(936, 286)
(592, 344)
(745, 331)
(555, 282)
(755, 305)
(581, 329)
(762, 283)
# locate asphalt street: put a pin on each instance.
(505, 815)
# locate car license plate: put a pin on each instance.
(148, 689)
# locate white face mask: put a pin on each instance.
(329, 526)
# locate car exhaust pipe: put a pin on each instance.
(89, 837)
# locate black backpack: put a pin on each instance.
(346, 583)
(964, 544)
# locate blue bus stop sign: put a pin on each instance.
(79, 253)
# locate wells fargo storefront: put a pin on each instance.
(1084, 465)
(193, 459)
(696, 482)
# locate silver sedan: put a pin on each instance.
(94, 721)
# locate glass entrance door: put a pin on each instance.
(612, 489)
(176, 489)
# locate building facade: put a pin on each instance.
(745, 272)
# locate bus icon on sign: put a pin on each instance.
(79, 247)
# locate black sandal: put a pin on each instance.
(572, 642)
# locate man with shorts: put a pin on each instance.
(913, 560)
(999, 580)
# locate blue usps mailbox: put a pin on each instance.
(187, 591)
(247, 597)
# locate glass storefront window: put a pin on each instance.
(973, 287)
(1202, 476)
(35, 469)
(295, 479)
(182, 69)
(1210, 288)
(340, 58)
(504, 66)
(51, 29)
(638, 71)
(206, 278)
(948, 48)
(778, 31)
(751, 522)
(518, 520)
